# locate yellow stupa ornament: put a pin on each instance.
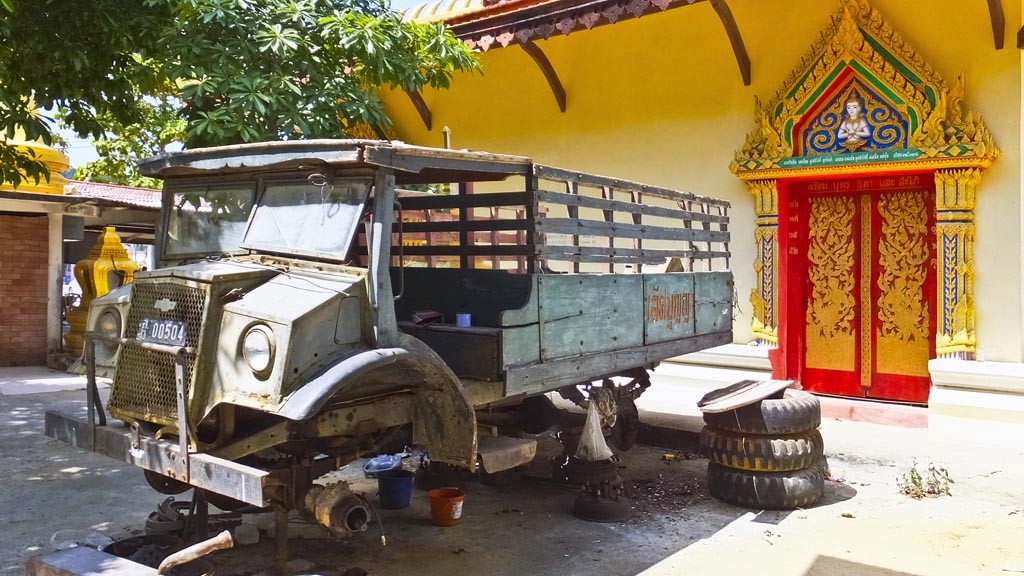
(54, 159)
(106, 267)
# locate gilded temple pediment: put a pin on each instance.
(863, 97)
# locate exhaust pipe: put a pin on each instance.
(337, 508)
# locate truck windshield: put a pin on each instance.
(207, 220)
(313, 217)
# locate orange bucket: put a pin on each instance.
(446, 506)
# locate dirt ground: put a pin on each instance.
(863, 526)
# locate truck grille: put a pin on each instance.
(144, 383)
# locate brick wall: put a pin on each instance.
(23, 290)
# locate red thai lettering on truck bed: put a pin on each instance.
(672, 308)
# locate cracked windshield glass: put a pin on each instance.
(317, 217)
(208, 220)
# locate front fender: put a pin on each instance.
(443, 417)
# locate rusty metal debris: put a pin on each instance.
(663, 494)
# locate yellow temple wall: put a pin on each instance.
(660, 100)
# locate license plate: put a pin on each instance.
(169, 332)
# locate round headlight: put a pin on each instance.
(109, 323)
(257, 348)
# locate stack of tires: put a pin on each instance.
(767, 454)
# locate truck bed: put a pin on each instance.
(536, 332)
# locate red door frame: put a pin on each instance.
(788, 359)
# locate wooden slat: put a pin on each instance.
(624, 230)
(458, 226)
(609, 217)
(607, 259)
(724, 228)
(532, 211)
(431, 261)
(465, 190)
(623, 206)
(476, 250)
(555, 251)
(638, 220)
(465, 201)
(574, 212)
(561, 175)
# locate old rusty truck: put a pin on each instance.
(314, 296)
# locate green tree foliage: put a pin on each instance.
(274, 69)
(85, 58)
(242, 70)
(125, 144)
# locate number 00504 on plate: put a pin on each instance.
(169, 332)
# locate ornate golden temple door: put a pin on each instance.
(852, 164)
(867, 248)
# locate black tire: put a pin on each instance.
(759, 453)
(796, 411)
(766, 490)
(165, 484)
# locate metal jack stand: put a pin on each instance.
(197, 525)
(280, 540)
(597, 469)
(603, 498)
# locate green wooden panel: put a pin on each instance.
(520, 346)
(714, 291)
(551, 375)
(668, 307)
(586, 313)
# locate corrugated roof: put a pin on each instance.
(142, 197)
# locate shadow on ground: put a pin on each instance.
(829, 566)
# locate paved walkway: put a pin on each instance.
(37, 379)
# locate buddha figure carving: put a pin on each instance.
(855, 132)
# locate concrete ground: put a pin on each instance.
(864, 525)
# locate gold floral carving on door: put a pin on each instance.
(903, 258)
(830, 314)
(869, 280)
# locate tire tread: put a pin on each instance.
(760, 453)
(797, 411)
(767, 490)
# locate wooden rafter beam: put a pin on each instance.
(995, 13)
(548, 70)
(733, 30)
(422, 109)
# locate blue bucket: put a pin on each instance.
(394, 488)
